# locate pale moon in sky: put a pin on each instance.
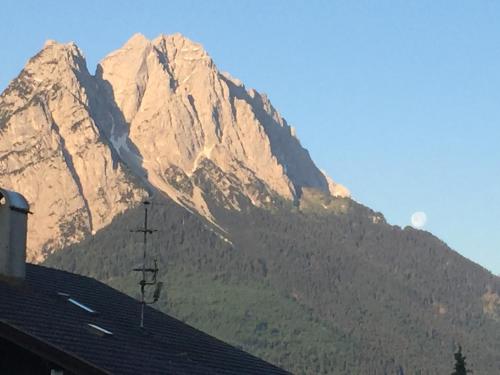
(418, 219)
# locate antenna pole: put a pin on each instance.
(144, 271)
(145, 245)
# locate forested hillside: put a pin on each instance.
(336, 292)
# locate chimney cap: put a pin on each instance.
(15, 200)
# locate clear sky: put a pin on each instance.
(398, 100)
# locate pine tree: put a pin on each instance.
(460, 368)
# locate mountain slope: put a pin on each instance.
(322, 293)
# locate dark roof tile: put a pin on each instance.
(165, 346)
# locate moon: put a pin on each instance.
(418, 219)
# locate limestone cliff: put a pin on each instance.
(179, 112)
(157, 116)
(52, 151)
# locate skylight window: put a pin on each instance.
(76, 303)
(81, 305)
(99, 330)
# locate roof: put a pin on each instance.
(37, 313)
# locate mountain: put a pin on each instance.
(255, 244)
(156, 117)
(211, 127)
(52, 150)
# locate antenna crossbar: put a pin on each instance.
(140, 230)
(147, 270)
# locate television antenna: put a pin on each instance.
(149, 275)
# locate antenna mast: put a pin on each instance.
(145, 271)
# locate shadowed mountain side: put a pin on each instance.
(115, 128)
(315, 293)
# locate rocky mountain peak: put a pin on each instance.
(56, 66)
(57, 58)
(52, 150)
(177, 46)
(159, 115)
(170, 86)
(137, 39)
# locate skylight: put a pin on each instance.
(100, 330)
(81, 305)
(77, 303)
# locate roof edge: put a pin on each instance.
(47, 351)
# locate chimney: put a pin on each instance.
(14, 211)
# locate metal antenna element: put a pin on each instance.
(145, 271)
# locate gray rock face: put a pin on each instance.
(157, 116)
(179, 110)
(52, 151)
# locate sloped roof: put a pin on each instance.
(35, 310)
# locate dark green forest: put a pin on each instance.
(330, 291)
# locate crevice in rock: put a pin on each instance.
(69, 162)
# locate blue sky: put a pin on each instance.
(398, 100)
